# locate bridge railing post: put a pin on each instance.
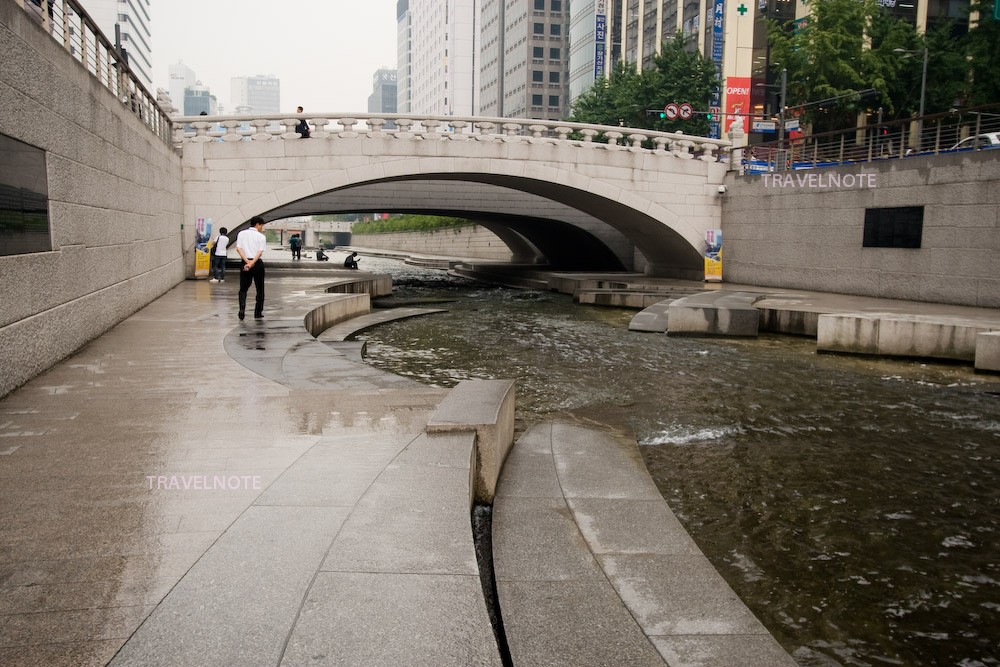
(431, 129)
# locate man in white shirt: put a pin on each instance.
(250, 244)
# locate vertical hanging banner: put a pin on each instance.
(202, 256)
(718, 35)
(737, 101)
(713, 256)
(600, 37)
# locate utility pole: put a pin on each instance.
(781, 109)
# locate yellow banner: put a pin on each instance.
(713, 256)
(202, 263)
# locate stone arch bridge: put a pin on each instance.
(572, 196)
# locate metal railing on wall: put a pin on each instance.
(70, 25)
(957, 131)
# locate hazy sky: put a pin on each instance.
(324, 51)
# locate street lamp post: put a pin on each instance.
(923, 91)
(781, 108)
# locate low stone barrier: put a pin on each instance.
(988, 351)
(486, 407)
(343, 307)
(890, 334)
(714, 314)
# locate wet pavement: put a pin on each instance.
(189, 489)
(153, 468)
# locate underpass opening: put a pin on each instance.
(597, 244)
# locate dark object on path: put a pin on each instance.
(321, 256)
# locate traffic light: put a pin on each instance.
(710, 115)
(663, 115)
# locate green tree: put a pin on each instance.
(612, 100)
(631, 98)
(827, 58)
(983, 50)
(679, 75)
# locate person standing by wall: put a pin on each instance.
(295, 243)
(219, 252)
(250, 244)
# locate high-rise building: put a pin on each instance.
(442, 74)
(524, 58)
(732, 33)
(255, 94)
(198, 99)
(132, 17)
(181, 77)
(383, 97)
(404, 55)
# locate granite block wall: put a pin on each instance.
(798, 232)
(115, 205)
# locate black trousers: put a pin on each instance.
(256, 276)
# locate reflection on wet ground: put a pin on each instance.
(851, 502)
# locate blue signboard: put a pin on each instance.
(600, 36)
(718, 39)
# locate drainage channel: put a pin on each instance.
(482, 535)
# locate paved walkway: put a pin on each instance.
(153, 477)
(189, 489)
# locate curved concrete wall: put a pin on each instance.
(809, 236)
(471, 241)
(115, 206)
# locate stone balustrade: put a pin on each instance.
(200, 129)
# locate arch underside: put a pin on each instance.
(541, 221)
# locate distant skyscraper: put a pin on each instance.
(133, 19)
(383, 97)
(181, 77)
(198, 98)
(442, 77)
(524, 58)
(404, 56)
(255, 94)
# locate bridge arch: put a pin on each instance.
(660, 203)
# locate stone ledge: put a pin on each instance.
(988, 352)
(894, 335)
(345, 329)
(486, 407)
(714, 314)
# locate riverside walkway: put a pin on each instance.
(188, 489)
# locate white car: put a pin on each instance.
(986, 140)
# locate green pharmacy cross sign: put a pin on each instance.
(742, 9)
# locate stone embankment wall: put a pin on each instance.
(115, 205)
(803, 231)
(471, 241)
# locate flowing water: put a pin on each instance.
(851, 502)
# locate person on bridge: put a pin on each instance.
(250, 244)
(351, 262)
(295, 243)
(302, 127)
(219, 252)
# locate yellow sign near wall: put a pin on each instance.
(202, 247)
(713, 256)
